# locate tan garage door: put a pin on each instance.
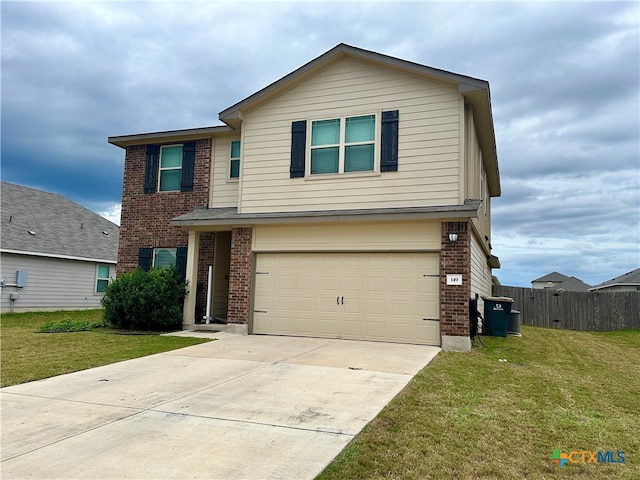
(391, 297)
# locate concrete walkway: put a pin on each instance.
(240, 407)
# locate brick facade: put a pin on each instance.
(144, 220)
(240, 276)
(455, 258)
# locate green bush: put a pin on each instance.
(67, 325)
(145, 300)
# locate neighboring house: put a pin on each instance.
(55, 254)
(558, 281)
(326, 204)
(629, 282)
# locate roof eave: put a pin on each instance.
(480, 101)
(207, 217)
(610, 285)
(123, 141)
(61, 256)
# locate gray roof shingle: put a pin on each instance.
(60, 227)
(630, 278)
(573, 284)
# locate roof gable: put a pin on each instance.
(474, 90)
(58, 226)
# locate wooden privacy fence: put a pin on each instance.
(574, 310)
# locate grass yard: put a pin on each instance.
(26, 355)
(468, 416)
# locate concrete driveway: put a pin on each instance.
(243, 407)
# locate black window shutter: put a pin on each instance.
(144, 258)
(298, 148)
(389, 142)
(151, 169)
(188, 166)
(181, 261)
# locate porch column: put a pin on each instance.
(188, 314)
(455, 259)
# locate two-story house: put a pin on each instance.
(349, 199)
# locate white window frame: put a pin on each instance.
(155, 252)
(342, 145)
(229, 177)
(108, 278)
(160, 169)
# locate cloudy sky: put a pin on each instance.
(564, 82)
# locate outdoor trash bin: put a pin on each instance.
(513, 328)
(496, 315)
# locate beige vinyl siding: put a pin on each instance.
(476, 177)
(480, 271)
(224, 191)
(52, 284)
(379, 236)
(473, 158)
(429, 149)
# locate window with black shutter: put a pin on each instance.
(188, 166)
(345, 145)
(145, 258)
(151, 169)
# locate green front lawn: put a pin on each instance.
(468, 416)
(26, 355)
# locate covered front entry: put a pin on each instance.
(392, 297)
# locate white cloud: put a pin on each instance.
(112, 213)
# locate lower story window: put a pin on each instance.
(102, 278)
(164, 257)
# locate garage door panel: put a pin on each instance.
(307, 304)
(402, 332)
(377, 331)
(377, 284)
(387, 296)
(327, 326)
(428, 332)
(285, 304)
(403, 308)
(375, 306)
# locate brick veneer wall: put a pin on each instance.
(455, 258)
(144, 220)
(239, 276)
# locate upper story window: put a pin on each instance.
(234, 163)
(170, 168)
(364, 143)
(342, 145)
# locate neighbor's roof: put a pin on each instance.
(564, 282)
(47, 224)
(631, 278)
